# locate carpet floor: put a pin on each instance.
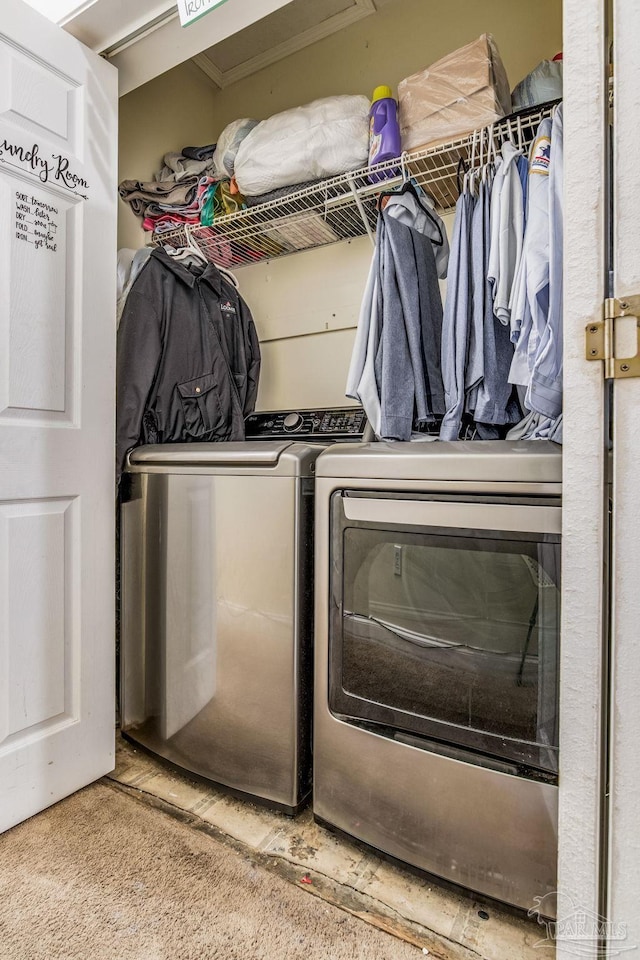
(101, 876)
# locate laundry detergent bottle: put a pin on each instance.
(384, 131)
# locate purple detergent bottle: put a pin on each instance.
(384, 131)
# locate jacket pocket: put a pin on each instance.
(200, 405)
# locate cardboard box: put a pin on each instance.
(466, 90)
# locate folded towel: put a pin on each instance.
(140, 194)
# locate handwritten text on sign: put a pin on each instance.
(41, 313)
(191, 10)
(36, 222)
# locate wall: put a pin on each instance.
(175, 110)
(182, 107)
(291, 302)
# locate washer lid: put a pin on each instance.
(276, 458)
(260, 453)
(515, 461)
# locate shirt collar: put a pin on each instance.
(210, 274)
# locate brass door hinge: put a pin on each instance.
(600, 338)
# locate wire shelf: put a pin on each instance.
(345, 207)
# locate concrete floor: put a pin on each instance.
(443, 922)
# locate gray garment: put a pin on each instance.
(421, 216)
(534, 426)
(455, 324)
(141, 195)
(526, 427)
(507, 231)
(545, 388)
(555, 433)
(199, 153)
(543, 430)
(494, 403)
(395, 362)
(411, 380)
(129, 276)
(124, 261)
(177, 167)
(361, 380)
(474, 364)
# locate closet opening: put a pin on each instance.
(299, 256)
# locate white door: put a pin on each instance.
(624, 773)
(58, 132)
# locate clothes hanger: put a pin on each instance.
(403, 166)
(492, 153)
(474, 144)
(190, 249)
(230, 276)
(409, 186)
(463, 166)
(380, 202)
(492, 147)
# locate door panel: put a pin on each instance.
(58, 115)
(37, 536)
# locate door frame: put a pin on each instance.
(584, 593)
(623, 873)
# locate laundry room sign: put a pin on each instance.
(191, 10)
(49, 168)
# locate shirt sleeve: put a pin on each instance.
(138, 354)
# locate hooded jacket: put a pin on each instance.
(395, 366)
(188, 358)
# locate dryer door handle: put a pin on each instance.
(455, 514)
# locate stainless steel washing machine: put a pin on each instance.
(436, 660)
(216, 602)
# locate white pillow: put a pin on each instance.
(319, 140)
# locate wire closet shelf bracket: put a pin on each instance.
(345, 207)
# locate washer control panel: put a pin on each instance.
(336, 423)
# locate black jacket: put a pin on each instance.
(188, 357)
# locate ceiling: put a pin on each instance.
(289, 29)
(143, 38)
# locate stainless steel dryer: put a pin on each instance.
(437, 647)
(217, 602)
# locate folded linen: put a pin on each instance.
(177, 167)
(139, 194)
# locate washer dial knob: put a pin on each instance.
(293, 421)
